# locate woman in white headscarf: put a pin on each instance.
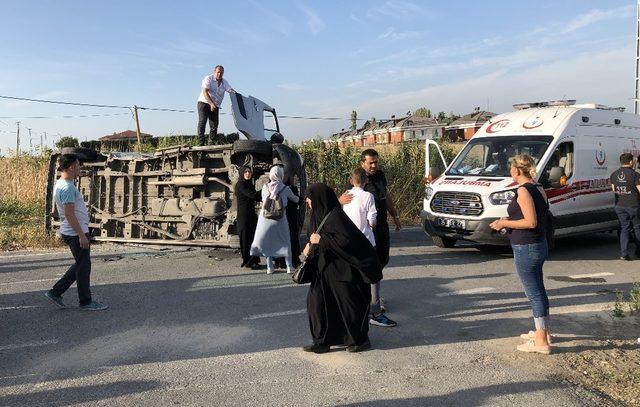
(272, 237)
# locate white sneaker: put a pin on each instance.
(289, 270)
(269, 271)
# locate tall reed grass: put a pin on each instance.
(23, 182)
(22, 195)
(403, 165)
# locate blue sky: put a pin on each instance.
(305, 58)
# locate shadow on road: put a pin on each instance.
(479, 396)
(81, 394)
(191, 318)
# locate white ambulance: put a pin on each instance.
(576, 148)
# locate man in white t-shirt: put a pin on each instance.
(209, 101)
(362, 208)
(74, 231)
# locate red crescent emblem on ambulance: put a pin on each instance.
(532, 123)
(497, 126)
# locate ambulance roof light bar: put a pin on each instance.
(620, 109)
(522, 106)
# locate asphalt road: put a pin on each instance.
(189, 327)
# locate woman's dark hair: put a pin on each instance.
(67, 160)
(368, 152)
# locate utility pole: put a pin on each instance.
(636, 101)
(41, 145)
(135, 116)
(30, 139)
(18, 139)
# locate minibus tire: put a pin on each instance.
(443, 242)
(84, 154)
(259, 147)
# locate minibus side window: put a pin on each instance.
(559, 167)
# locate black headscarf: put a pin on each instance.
(244, 169)
(323, 201)
(340, 235)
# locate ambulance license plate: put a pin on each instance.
(451, 223)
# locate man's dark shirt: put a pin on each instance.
(625, 182)
(377, 186)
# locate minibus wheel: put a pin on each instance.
(443, 242)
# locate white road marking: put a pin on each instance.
(29, 344)
(17, 377)
(26, 256)
(276, 314)
(478, 290)
(282, 286)
(19, 307)
(30, 281)
(591, 275)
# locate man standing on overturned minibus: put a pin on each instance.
(625, 184)
(74, 231)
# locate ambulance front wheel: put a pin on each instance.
(443, 242)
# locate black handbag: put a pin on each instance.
(305, 271)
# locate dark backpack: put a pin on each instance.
(273, 208)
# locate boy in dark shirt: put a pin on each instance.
(625, 183)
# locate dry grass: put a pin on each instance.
(23, 183)
(23, 179)
(22, 195)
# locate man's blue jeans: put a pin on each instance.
(529, 259)
(629, 220)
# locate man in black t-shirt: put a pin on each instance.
(377, 186)
(625, 183)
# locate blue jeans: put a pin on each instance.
(629, 220)
(287, 261)
(529, 259)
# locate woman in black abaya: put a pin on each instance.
(246, 198)
(340, 293)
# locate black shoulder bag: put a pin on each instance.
(306, 269)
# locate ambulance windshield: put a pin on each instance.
(491, 156)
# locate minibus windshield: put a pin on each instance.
(491, 156)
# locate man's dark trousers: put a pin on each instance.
(79, 272)
(204, 114)
(381, 235)
(629, 219)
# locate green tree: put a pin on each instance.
(354, 120)
(441, 116)
(422, 112)
(67, 141)
(372, 122)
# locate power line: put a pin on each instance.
(156, 109)
(57, 102)
(65, 116)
